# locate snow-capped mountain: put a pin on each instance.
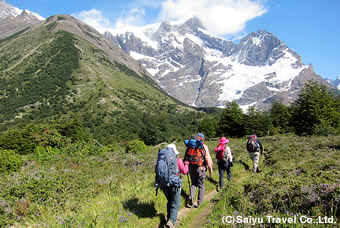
(13, 19)
(201, 69)
(335, 83)
(7, 10)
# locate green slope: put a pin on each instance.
(53, 75)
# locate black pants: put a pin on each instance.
(224, 166)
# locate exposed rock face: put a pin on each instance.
(13, 19)
(204, 70)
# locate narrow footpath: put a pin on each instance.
(205, 210)
(199, 219)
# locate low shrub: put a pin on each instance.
(10, 161)
(50, 137)
(136, 147)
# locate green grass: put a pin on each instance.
(111, 188)
(300, 177)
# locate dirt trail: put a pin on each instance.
(204, 214)
(201, 218)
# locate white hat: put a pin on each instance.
(173, 146)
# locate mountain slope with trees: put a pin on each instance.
(54, 73)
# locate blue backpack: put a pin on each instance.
(194, 143)
(167, 173)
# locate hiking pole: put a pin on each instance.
(189, 187)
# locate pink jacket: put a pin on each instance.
(227, 151)
(182, 167)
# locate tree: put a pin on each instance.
(231, 121)
(256, 121)
(155, 129)
(208, 127)
(18, 140)
(281, 116)
(315, 108)
(73, 129)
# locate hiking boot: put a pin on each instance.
(190, 205)
(169, 224)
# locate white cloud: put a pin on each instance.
(94, 18)
(133, 17)
(220, 17)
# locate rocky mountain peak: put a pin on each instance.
(190, 26)
(13, 19)
(165, 27)
(7, 10)
(201, 69)
(260, 48)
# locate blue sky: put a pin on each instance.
(309, 27)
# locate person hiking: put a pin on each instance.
(168, 168)
(255, 149)
(224, 160)
(198, 166)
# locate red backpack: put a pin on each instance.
(194, 153)
(195, 156)
(220, 151)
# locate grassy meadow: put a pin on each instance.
(108, 187)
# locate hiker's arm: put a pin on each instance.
(229, 155)
(208, 159)
(183, 167)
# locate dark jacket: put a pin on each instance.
(261, 147)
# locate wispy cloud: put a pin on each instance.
(95, 19)
(220, 17)
(132, 17)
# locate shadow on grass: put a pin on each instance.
(142, 210)
(335, 147)
(211, 180)
(246, 167)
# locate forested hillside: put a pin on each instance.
(53, 76)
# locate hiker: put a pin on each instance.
(255, 149)
(224, 160)
(198, 166)
(170, 182)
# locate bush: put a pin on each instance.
(50, 137)
(325, 129)
(9, 161)
(17, 140)
(45, 153)
(136, 147)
